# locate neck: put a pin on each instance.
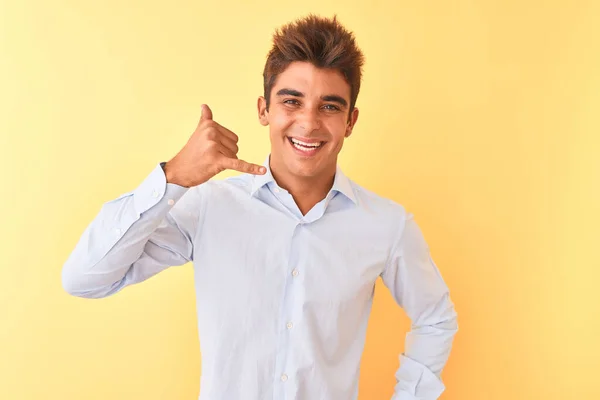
(306, 191)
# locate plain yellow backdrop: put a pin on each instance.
(480, 117)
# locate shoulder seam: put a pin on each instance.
(203, 202)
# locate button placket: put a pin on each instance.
(288, 323)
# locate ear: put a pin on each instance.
(352, 122)
(263, 113)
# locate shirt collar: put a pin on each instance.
(258, 181)
(341, 182)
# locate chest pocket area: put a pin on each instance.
(332, 275)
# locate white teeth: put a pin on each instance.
(314, 145)
(306, 149)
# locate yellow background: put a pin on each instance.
(480, 117)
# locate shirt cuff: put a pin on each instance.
(416, 381)
(155, 189)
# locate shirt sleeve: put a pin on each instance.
(134, 237)
(418, 287)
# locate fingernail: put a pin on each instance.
(262, 170)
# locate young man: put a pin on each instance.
(285, 255)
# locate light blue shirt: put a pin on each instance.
(283, 299)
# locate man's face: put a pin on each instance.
(308, 119)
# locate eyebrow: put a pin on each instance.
(330, 97)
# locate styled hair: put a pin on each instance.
(324, 42)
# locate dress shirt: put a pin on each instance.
(282, 298)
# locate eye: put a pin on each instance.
(291, 101)
(331, 107)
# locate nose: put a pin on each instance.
(309, 120)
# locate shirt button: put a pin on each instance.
(276, 190)
(289, 325)
(295, 272)
(154, 193)
(284, 378)
(171, 202)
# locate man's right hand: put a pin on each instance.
(211, 149)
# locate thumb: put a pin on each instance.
(206, 113)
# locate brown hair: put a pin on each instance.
(321, 41)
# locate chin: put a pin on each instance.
(303, 169)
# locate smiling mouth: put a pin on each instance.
(304, 146)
